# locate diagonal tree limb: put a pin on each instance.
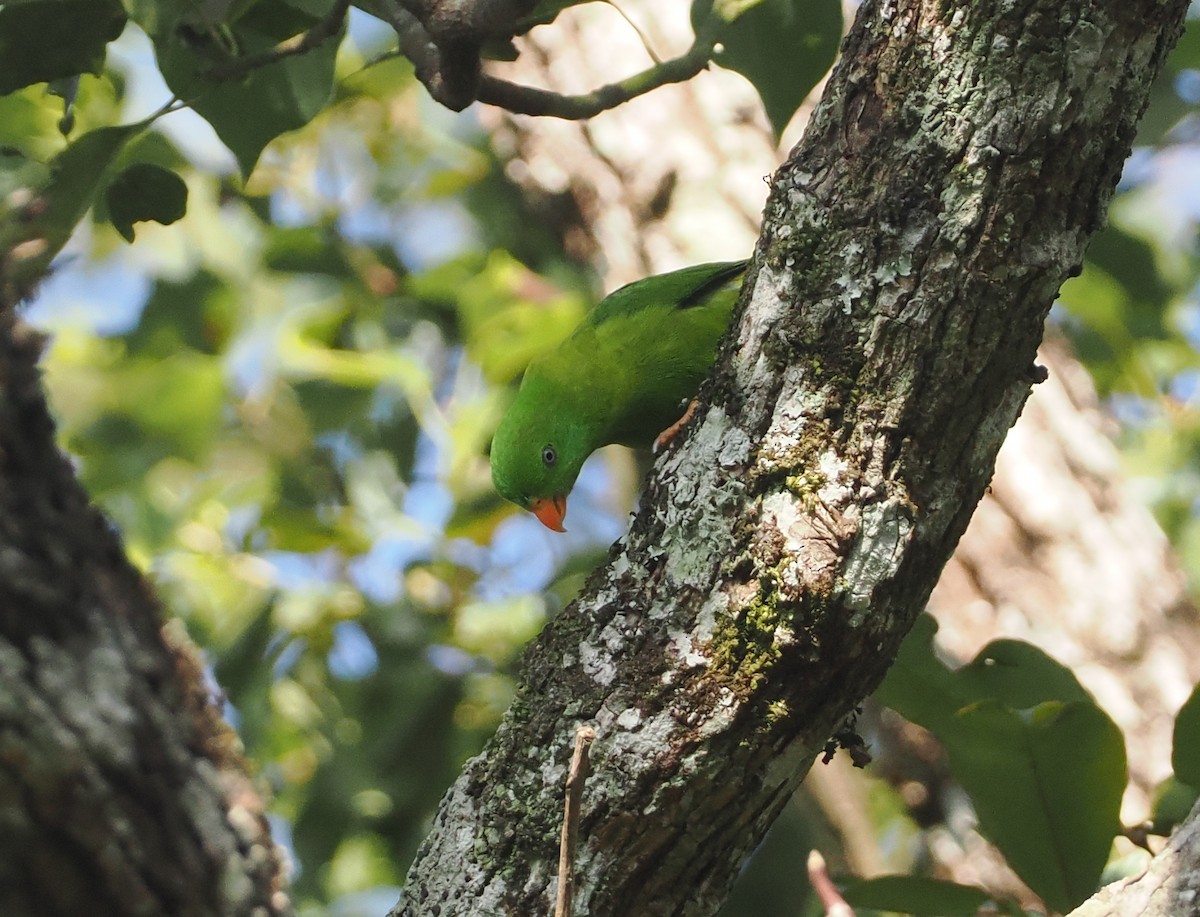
(948, 183)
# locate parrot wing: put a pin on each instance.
(686, 288)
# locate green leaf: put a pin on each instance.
(192, 314)
(508, 316)
(29, 125)
(306, 250)
(783, 47)
(177, 401)
(1133, 263)
(156, 17)
(918, 686)
(1123, 303)
(145, 192)
(1185, 752)
(44, 41)
(249, 112)
(241, 665)
(913, 895)
(1043, 765)
(75, 178)
(1167, 108)
(1047, 789)
(1173, 802)
(1018, 675)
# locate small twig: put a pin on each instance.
(297, 44)
(171, 106)
(526, 100)
(1140, 834)
(576, 777)
(831, 899)
(637, 31)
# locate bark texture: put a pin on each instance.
(1060, 551)
(948, 183)
(121, 792)
(1170, 886)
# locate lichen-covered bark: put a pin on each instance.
(120, 790)
(1169, 887)
(948, 182)
(676, 177)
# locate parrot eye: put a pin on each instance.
(549, 456)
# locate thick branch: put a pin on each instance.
(443, 39)
(913, 243)
(121, 792)
(448, 68)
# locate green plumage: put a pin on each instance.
(623, 376)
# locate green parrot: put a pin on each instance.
(623, 376)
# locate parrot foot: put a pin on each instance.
(666, 436)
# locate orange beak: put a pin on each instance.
(550, 511)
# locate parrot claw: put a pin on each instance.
(666, 436)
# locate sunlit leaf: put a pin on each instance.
(509, 315)
(75, 177)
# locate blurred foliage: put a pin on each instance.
(283, 399)
(290, 430)
(1133, 315)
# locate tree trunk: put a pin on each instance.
(948, 183)
(121, 790)
(1060, 551)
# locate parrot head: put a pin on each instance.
(537, 452)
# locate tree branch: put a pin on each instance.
(443, 44)
(576, 778)
(527, 100)
(121, 790)
(449, 69)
